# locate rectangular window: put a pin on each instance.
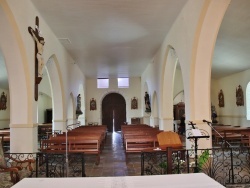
(102, 83)
(123, 82)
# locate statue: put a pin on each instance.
(221, 99)
(3, 102)
(213, 114)
(78, 107)
(39, 45)
(147, 102)
(39, 61)
(239, 96)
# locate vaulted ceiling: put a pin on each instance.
(111, 38)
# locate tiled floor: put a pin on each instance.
(113, 161)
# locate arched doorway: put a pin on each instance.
(113, 111)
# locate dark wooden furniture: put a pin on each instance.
(136, 120)
(48, 115)
(179, 110)
(84, 139)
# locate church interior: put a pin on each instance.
(109, 93)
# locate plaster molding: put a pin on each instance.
(233, 116)
(23, 125)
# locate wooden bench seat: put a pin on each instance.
(233, 134)
(99, 137)
(5, 137)
(137, 145)
(86, 145)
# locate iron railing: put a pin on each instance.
(48, 164)
(225, 165)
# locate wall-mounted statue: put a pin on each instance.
(78, 106)
(221, 99)
(239, 96)
(147, 102)
(213, 114)
(3, 102)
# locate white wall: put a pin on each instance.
(24, 122)
(52, 47)
(134, 90)
(44, 85)
(178, 92)
(231, 113)
(44, 102)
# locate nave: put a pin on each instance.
(113, 160)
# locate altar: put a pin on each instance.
(197, 180)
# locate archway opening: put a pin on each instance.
(113, 111)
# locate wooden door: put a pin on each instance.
(113, 111)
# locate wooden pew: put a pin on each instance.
(94, 129)
(137, 145)
(232, 134)
(89, 140)
(5, 137)
(87, 146)
(76, 144)
(139, 134)
(91, 135)
(137, 138)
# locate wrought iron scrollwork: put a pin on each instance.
(225, 165)
(54, 165)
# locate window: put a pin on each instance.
(248, 101)
(123, 82)
(102, 83)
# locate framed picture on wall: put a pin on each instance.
(134, 103)
(92, 104)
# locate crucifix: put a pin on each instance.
(39, 62)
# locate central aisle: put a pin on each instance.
(113, 161)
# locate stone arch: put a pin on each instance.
(71, 109)
(22, 113)
(11, 43)
(4, 115)
(99, 105)
(209, 23)
(169, 67)
(154, 120)
(199, 100)
(248, 101)
(58, 96)
(119, 114)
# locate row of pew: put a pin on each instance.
(86, 139)
(231, 135)
(141, 137)
(5, 137)
(138, 137)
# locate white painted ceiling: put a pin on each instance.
(110, 38)
(118, 38)
(232, 50)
